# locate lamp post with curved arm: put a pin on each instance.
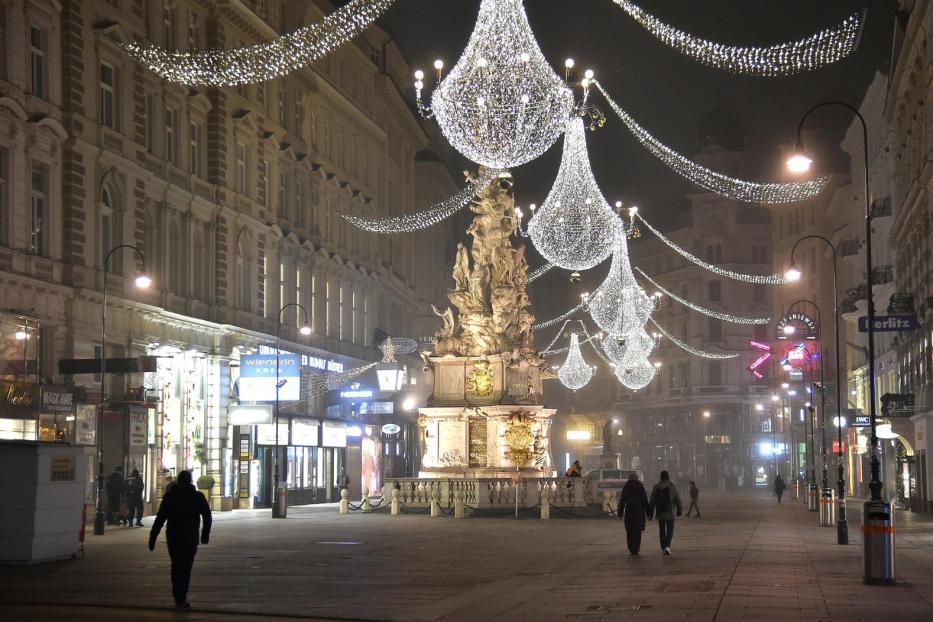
(793, 274)
(142, 281)
(305, 329)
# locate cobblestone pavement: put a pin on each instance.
(747, 558)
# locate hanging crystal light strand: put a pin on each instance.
(537, 273)
(619, 306)
(782, 59)
(502, 104)
(740, 190)
(262, 61)
(686, 347)
(574, 373)
(725, 317)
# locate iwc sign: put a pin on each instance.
(797, 325)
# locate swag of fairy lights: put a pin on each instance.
(725, 317)
(686, 347)
(575, 227)
(260, 62)
(574, 373)
(782, 59)
(740, 190)
(502, 104)
(537, 273)
(422, 220)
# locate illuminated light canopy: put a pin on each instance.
(431, 216)
(262, 61)
(686, 347)
(575, 227)
(782, 59)
(502, 104)
(619, 306)
(726, 317)
(574, 373)
(740, 190)
(761, 279)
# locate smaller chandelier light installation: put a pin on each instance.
(619, 306)
(638, 375)
(575, 227)
(782, 59)
(574, 373)
(502, 104)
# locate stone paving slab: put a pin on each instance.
(748, 558)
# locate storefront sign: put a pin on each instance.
(836, 447)
(356, 394)
(258, 378)
(57, 400)
(307, 360)
(897, 404)
(62, 469)
(354, 431)
(391, 428)
(861, 421)
(86, 424)
(334, 434)
(138, 427)
(265, 433)
(803, 325)
(404, 345)
(250, 414)
(377, 408)
(889, 323)
(305, 432)
(18, 400)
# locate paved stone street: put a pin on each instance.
(747, 558)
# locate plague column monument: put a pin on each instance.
(485, 417)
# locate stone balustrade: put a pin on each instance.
(490, 493)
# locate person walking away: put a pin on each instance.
(694, 496)
(664, 500)
(114, 486)
(183, 508)
(779, 487)
(134, 497)
(633, 508)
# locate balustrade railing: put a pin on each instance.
(492, 492)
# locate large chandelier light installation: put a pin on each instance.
(725, 317)
(262, 61)
(502, 104)
(626, 351)
(619, 306)
(782, 59)
(574, 373)
(738, 189)
(575, 227)
(407, 223)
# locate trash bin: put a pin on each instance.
(878, 542)
(827, 507)
(280, 507)
(813, 493)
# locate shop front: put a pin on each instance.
(19, 410)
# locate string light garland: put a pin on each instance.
(619, 306)
(782, 59)
(556, 338)
(502, 104)
(715, 356)
(550, 350)
(407, 223)
(725, 317)
(559, 318)
(574, 373)
(575, 227)
(322, 383)
(761, 279)
(262, 61)
(740, 190)
(537, 273)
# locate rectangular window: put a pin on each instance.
(39, 82)
(39, 210)
(759, 292)
(168, 28)
(299, 316)
(281, 287)
(241, 168)
(327, 322)
(313, 308)
(715, 329)
(108, 97)
(299, 202)
(194, 147)
(148, 120)
(263, 310)
(4, 43)
(192, 30)
(353, 319)
(715, 291)
(283, 179)
(4, 197)
(171, 135)
(264, 186)
(715, 373)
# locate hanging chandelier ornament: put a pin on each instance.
(782, 59)
(715, 356)
(619, 306)
(638, 375)
(502, 104)
(761, 279)
(262, 61)
(740, 190)
(407, 223)
(626, 351)
(574, 373)
(725, 317)
(575, 227)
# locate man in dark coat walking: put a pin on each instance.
(779, 487)
(115, 496)
(633, 507)
(183, 507)
(664, 500)
(134, 498)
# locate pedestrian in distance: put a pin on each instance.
(634, 510)
(665, 500)
(114, 486)
(183, 508)
(694, 497)
(575, 470)
(779, 487)
(134, 497)
(343, 480)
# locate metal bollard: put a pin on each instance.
(280, 509)
(842, 523)
(813, 498)
(344, 501)
(796, 489)
(878, 542)
(827, 507)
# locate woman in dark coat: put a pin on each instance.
(633, 507)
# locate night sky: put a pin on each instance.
(667, 93)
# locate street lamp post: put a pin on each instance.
(281, 512)
(142, 281)
(793, 274)
(878, 549)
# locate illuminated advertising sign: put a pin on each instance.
(334, 434)
(356, 394)
(796, 325)
(377, 408)
(304, 432)
(250, 414)
(258, 374)
(307, 360)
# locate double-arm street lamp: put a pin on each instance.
(305, 329)
(878, 548)
(794, 274)
(142, 281)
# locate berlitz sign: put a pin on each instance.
(889, 323)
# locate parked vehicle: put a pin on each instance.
(603, 480)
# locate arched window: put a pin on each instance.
(244, 300)
(109, 229)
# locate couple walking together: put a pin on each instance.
(636, 509)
